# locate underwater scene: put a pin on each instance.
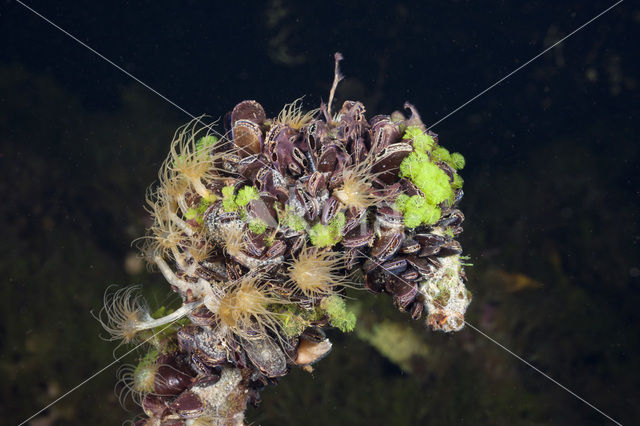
(328, 213)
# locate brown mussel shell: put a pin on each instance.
(248, 110)
(247, 136)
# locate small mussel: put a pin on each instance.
(384, 133)
(449, 248)
(403, 292)
(173, 375)
(210, 347)
(358, 238)
(453, 219)
(153, 405)
(389, 218)
(410, 246)
(187, 405)
(331, 207)
(395, 266)
(387, 245)
(248, 110)
(387, 163)
(266, 355)
(430, 244)
(313, 334)
(248, 137)
(316, 183)
(310, 352)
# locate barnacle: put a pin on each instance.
(260, 229)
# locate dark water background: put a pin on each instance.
(552, 193)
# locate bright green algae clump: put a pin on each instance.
(247, 194)
(422, 169)
(228, 199)
(427, 176)
(338, 314)
(257, 226)
(421, 141)
(206, 142)
(328, 235)
(198, 212)
(294, 319)
(231, 202)
(291, 220)
(417, 210)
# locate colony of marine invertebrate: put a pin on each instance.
(261, 228)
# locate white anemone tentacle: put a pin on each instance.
(184, 310)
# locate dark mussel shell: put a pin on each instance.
(248, 137)
(403, 292)
(153, 405)
(249, 166)
(328, 158)
(386, 246)
(358, 238)
(330, 209)
(384, 133)
(211, 348)
(187, 405)
(173, 375)
(316, 183)
(387, 163)
(395, 266)
(248, 110)
(266, 355)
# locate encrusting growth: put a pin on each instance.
(261, 228)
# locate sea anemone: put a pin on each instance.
(315, 272)
(137, 380)
(356, 190)
(126, 314)
(292, 115)
(124, 310)
(244, 309)
(231, 237)
(191, 157)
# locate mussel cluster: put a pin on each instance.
(261, 229)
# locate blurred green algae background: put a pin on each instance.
(551, 183)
